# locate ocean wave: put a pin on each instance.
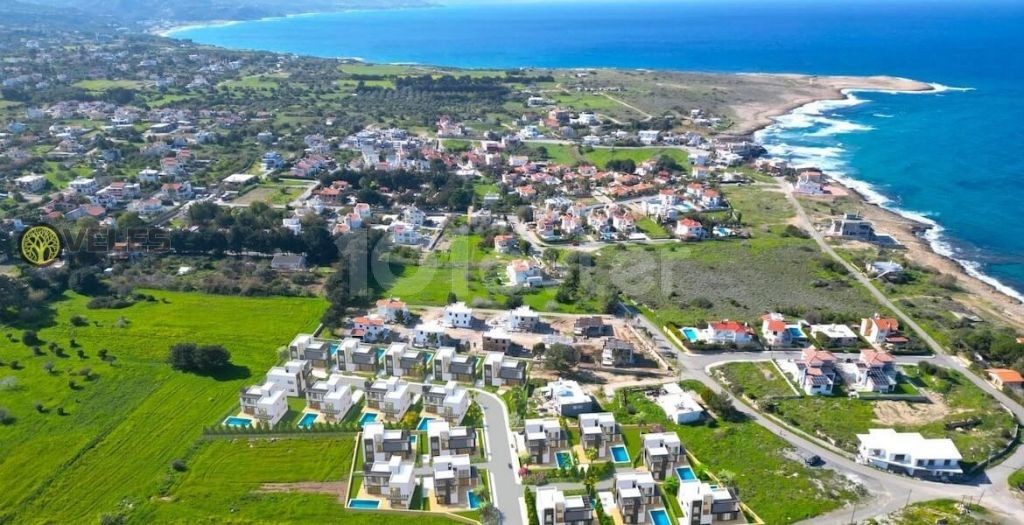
(882, 115)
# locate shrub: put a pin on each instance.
(190, 357)
(30, 338)
(5, 417)
(178, 465)
(78, 320)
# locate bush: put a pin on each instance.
(178, 465)
(5, 417)
(30, 338)
(78, 320)
(190, 357)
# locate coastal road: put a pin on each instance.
(506, 486)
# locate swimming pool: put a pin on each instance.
(238, 422)
(564, 459)
(367, 418)
(795, 333)
(659, 517)
(424, 421)
(474, 502)
(619, 454)
(691, 334)
(363, 503)
(685, 474)
(307, 420)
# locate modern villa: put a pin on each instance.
(663, 452)
(454, 477)
(500, 370)
(380, 444)
(331, 397)
(555, 508)
(909, 453)
(319, 352)
(394, 480)
(450, 401)
(600, 432)
(544, 437)
(451, 366)
(635, 494)
(390, 396)
(445, 440)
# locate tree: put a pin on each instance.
(190, 357)
(550, 255)
(513, 301)
(489, 514)
(48, 366)
(30, 338)
(561, 357)
(5, 416)
(671, 485)
(452, 298)
(538, 349)
(86, 281)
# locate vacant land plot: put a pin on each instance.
(779, 489)
(954, 400)
(128, 416)
(757, 380)
(948, 511)
(103, 84)
(600, 156)
(273, 194)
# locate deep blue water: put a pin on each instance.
(955, 157)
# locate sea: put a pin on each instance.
(953, 157)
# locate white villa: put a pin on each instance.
(635, 494)
(458, 315)
(555, 508)
(293, 377)
(267, 402)
(429, 334)
(599, 431)
(390, 396)
(522, 272)
(567, 397)
(835, 335)
(500, 370)
(706, 504)
(394, 480)
(454, 477)
(544, 437)
(523, 319)
(663, 452)
(678, 405)
(443, 439)
(449, 401)
(391, 310)
(908, 452)
(330, 397)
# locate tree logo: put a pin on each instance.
(40, 245)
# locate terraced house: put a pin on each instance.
(663, 452)
(451, 366)
(555, 508)
(599, 431)
(544, 437)
(635, 494)
(445, 440)
(454, 477)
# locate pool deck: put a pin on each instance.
(385, 504)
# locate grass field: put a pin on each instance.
(273, 194)
(758, 380)
(842, 418)
(125, 425)
(779, 489)
(946, 511)
(103, 85)
(652, 229)
(600, 156)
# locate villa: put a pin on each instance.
(496, 340)
(393, 479)
(599, 431)
(293, 377)
(319, 352)
(567, 397)
(357, 356)
(881, 330)
(544, 437)
(444, 440)
(331, 397)
(1006, 379)
(591, 326)
(504, 244)
(663, 452)
(616, 352)
(392, 310)
(522, 272)
(834, 335)
(555, 508)
(816, 371)
(429, 334)
(267, 402)
(874, 371)
(369, 328)
(851, 226)
(635, 494)
(690, 229)
(390, 396)
(450, 401)
(909, 453)
(500, 370)
(451, 366)
(679, 406)
(777, 333)
(458, 315)
(706, 504)
(380, 444)
(727, 332)
(454, 477)
(400, 360)
(523, 319)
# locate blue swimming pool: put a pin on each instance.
(474, 502)
(307, 420)
(564, 459)
(363, 503)
(619, 454)
(367, 419)
(659, 517)
(686, 474)
(795, 333)
(424, 421)
(691, 334)
(380, 354)
(238, 422)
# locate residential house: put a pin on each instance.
(544, 437)
(728, 332)
(810, 182)
(555, 508)
(413, 216)
(443, 439)
(394, 480)
(356, 356)
(616, 352)
(591, 326)
(404, 234)
(851, 226)
(320, 353)
(504, 244)
(82, 186)
(454, 477)
(600, 432)
(874, 372)
(496, 340)
(909, 453)
(272, 160)
(32, 183)
(288, 262)
(662, 452)
(1006, 379)
(392, 310)
(429, 334)
(293, 377)
(369, 328)
(400, 360)
(816, 371)
(690, 229)
(500, 370)
(451, 366)
(380, 444)
(450, 401)
(568, 397)
(331, 397)
(523, 319)
(775, 331)
(522, 272)
(458, 315)
(635, 494)
(708, 504)
(681, 407)
(834, 335)
(178, 191)
(268, 402)
(884, 269)
(880, 330)
(391, 396)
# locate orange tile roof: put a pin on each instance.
(1006, 375)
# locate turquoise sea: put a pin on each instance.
(953, 157)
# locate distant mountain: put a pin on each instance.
(195, 10)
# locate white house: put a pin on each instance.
(678, 405)
(82, 186)
(555, 508)
(369, 328)
(706, 504)
(382, 444)
(404, 234)
(429, 334)
(443, 439)
(816, 371)
(728, 332)
(522, 272)
(449, 401)
(400, 360)
(834, 335)
(662, 452)
(267, 402)
(909, 453)
(523, 319)
(877, 329)
(391, 310)
(331, 397)
(293, 377)
(390, 396)
(567, 397)
(413, 216)
(690, 229)
(600, 432)
(394, 480)
(544, 438)
(635, 494)
(458, 315)
(449, 366)
(454, 478)
(500, 370)
(32, 183)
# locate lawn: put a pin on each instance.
(273, 194)
(600, 156)
(652, 229)
(103, 84)
(777, 488)
(124, 426)
(946, 511)
(842, 418)
(757, 379)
